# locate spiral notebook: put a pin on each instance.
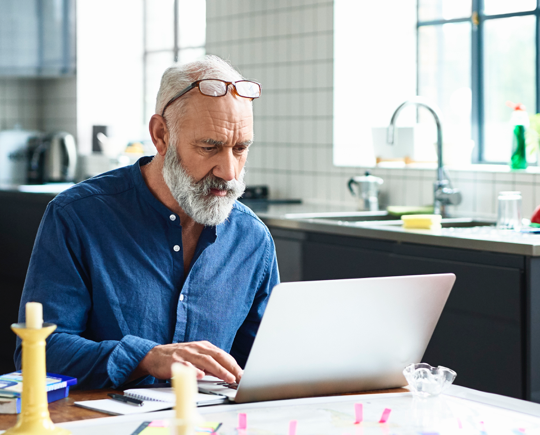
(154, 399)
(167, 395)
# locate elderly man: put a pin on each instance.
(157, 262)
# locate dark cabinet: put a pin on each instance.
(20, 215)
(483, 329)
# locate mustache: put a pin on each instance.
(210, 181)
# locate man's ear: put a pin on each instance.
(159, 133)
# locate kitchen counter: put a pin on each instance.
(481, 238)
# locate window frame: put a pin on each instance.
(176, 50)
(477, 19)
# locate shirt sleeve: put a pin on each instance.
(246, 333)
(57, 278)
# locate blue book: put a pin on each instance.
(57, 387)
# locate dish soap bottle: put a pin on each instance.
(519, 122)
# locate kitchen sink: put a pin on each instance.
(450, 223)
(381, 218)
(351, 216)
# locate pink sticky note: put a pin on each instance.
(385, 415)
(242, 421)
(292, 427)
(359, 412)
(158, 423)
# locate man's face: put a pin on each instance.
(203, 166)
(214, 136)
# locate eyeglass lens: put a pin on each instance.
(213, 88)
(217, 88)
(248, 89)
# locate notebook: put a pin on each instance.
(113, 407)
(155, 399)
(167, 395)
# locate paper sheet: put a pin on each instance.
(114, 407)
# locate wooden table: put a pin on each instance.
(64, 410)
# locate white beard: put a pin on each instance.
(195, 197)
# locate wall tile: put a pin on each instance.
(528, 201)
(413, 192)
(485, 201)
(325, 18)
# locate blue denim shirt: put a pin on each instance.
(107, 269)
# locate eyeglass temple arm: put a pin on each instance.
(178, 95)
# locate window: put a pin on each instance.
(473, 57)
(175, 32)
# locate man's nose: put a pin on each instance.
(226, 165)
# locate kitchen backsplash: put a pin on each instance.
(39, 104)
(288, 47)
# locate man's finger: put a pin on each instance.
(228, 362)
(221, 357)
(208, 364)
(200, 374)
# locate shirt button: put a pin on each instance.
(172, 217)
(176, 248)
(181, 298)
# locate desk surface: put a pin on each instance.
(65, 410)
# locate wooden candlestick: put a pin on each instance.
(34, 418)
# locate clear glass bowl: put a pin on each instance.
(427, 381)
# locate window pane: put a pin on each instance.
(156, 64)
(159, 19)
(494, 7)
(443, 9)
(509, 64)
(191, 23)
(444, 77)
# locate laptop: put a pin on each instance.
(320, 338)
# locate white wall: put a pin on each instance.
(110, 70)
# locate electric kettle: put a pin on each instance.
(367, 191)
(52, 158)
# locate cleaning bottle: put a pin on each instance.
(519, 122)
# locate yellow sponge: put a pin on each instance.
(422, 221)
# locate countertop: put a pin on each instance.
(483, 238)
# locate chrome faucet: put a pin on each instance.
(443, 192)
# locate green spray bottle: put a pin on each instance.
(520, 123)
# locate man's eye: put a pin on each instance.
(208, 149)
(241, 149)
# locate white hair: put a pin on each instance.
(176, 78)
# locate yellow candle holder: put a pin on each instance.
(34, 418)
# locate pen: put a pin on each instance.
(126, 399)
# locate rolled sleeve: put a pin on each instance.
(126, 356)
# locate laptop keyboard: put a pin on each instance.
(233, 385)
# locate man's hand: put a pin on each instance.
(206, 358)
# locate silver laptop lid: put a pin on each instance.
(339, 336)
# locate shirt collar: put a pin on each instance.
(210, 233)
